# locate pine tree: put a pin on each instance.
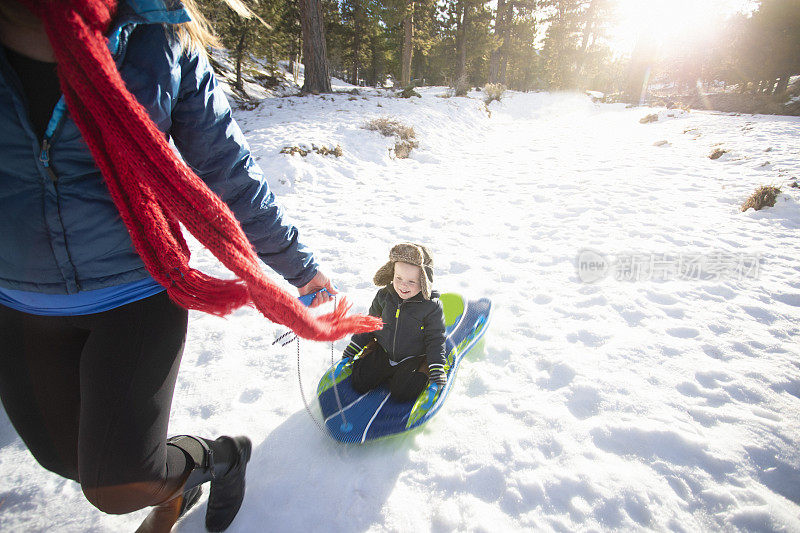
(520, 61)
(315, 51)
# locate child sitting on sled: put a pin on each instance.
(410, 349)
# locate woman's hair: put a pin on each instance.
(198, 34)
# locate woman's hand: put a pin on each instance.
(320, 281)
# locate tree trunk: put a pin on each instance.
(505, 49)
(461, 27)
(494, 58)
(240, 56)
(357, 33)
(588, 28)
(372, 78)
(408, 44)
(315, 51)
(638, 72)
(459, 37)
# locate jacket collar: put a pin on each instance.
(133, 12)
(154, 11)
(416, 298)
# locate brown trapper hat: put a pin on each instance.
(413, 254)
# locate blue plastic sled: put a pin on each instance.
(376, 414)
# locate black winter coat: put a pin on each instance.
(410, 327)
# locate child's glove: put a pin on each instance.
(351, 350)
(437, 375)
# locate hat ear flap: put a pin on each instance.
(384, 275)
(425, 281)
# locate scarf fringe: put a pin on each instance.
(198, 291)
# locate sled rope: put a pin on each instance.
(300, 378)
(300, 381)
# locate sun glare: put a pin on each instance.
(670, 23)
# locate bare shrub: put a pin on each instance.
(291, 150)
(405, 136)
(408, 92)
(389, 127)
(461, 86)
(402, 149)
(493, 91)
(717, 153)
(324, 150)
(764, 196)
(321, 150)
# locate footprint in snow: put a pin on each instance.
(714, 398)
(487, 483)
(587, 338)
(670, 352)
(206, 356)
(551, 448)
(204, 411)
(560, 375)
(719, 329)
(250, 396)
(788, 299)
(638, 508)
(791, 387)
(742, 349)
(661, 299)
(476, 386)
(632, 316)
(589, 289)
(458, 268)
(584, 402)
(760, 314)
(683, 333)
(710, 379)
(674, 313)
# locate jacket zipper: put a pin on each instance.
(44, 157)
(396, 327)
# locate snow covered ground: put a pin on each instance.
(664, 395)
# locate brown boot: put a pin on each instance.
(162, 517)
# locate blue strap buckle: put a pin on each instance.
(308, 299)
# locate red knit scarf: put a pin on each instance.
(154, 190)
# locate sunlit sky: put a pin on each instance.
(669, 22)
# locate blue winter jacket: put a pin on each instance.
(60, 232)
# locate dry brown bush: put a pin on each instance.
(717, 153)
(321, 150)
(493, 91)
(402, 149)
(389, 127)
(764, 196)
(461, 86)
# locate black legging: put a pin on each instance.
(90, 396)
